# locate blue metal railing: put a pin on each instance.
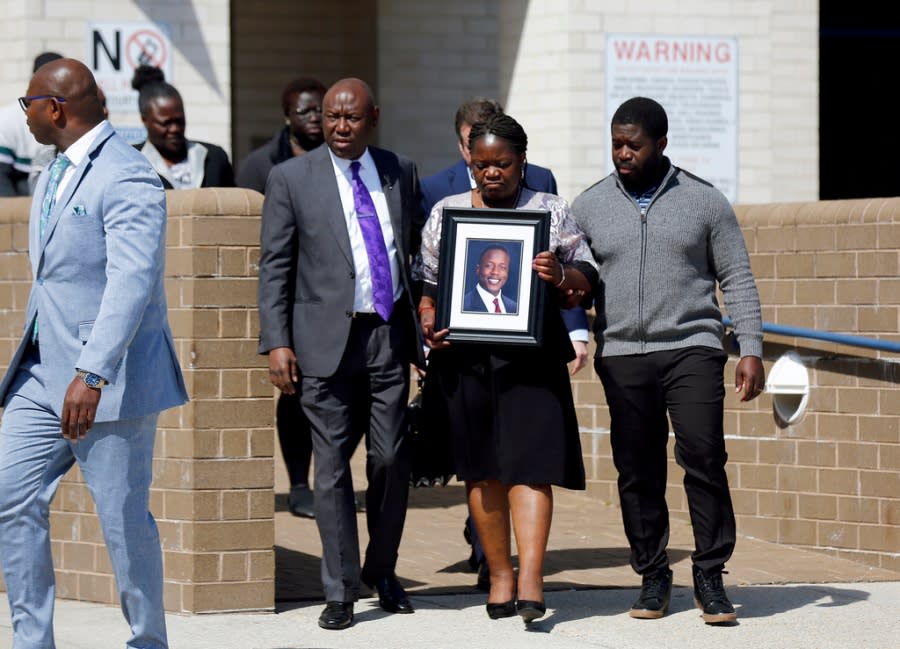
(827, 336)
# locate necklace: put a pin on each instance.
(477, 192)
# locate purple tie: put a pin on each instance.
(379, 267)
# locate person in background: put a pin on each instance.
(663, 240)
(509, 409)
(96, 364)
(459, 178)
(18, 148)
(335, 305)
(181, 163)
(301, 101)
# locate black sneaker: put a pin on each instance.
(656, 590)
(710, 597)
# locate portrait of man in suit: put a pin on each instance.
(96, 363)
(493, 272)
(336, 306)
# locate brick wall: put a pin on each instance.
(213, 489)
(831, 481)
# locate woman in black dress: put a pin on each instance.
(509, 408)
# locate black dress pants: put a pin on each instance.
(688, 385)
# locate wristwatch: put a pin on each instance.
(92, 380)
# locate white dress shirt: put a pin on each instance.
(76, 153)
(488, 298)
(368, 173)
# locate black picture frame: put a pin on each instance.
(465, 233)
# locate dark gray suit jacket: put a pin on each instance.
(306, 272)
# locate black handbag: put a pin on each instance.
(431, 455)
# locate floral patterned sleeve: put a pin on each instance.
(426, 264)
(566, 238)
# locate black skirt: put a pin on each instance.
(509, 414)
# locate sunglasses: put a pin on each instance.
(25, 102)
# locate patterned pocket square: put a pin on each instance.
(79, 210)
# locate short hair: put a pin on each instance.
(494, 246)
(301, 84)
(150, 82)
(644, 112)
(44, 58)
(501, 125)
(476, 109)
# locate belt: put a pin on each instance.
(364, 315)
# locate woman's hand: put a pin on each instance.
(434, 339)
(570, 283)
(548, 268)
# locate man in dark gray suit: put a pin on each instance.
(339, 225)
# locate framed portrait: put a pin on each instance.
(487, 292)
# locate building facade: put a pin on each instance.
(543, 59)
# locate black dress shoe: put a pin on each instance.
(656, 590)
(503, 609)
(337, 615)
(301, 501)
(391, 596)
(530, 610)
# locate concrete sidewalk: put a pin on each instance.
(823, 616)
(786, 597)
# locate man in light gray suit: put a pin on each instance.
(96, 363)
(335, 302)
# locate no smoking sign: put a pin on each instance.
(117, 49)
(146, 47)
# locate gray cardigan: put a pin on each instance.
(658, 270)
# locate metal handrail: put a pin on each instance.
(843, 339)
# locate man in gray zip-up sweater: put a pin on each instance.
(663, 238)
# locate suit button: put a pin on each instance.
(352, 275)
(349, 314)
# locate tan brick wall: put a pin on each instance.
(213, 485)
(831, 481)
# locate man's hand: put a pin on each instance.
(581, 357)
(79, 409)
(749, 377)
(283, 371)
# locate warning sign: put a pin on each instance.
(695, 79)
(115, 50)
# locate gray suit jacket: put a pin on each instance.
(306, 272)
(98, 293)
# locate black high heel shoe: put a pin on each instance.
(529, 610)
(501, 610)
